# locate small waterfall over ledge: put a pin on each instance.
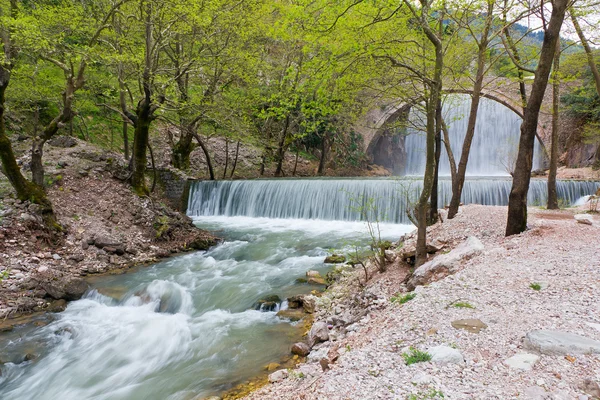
(336, 199)
(494, 146)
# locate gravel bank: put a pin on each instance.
(556, 253)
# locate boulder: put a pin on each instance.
(296, 301)
(316, 281)
(272, 367)
(585, 219)
(318, 333)
(522, 361)
(68, 288)
(445, 264)
(300, 349)
(445, 355)
(268, 303)
(310, 304)
(335, 259)
(590, 387)
(293, 314)
(62, 141)
(313, 274)
(552, 342)
(470, 325)
(278, 376)
(105, 241)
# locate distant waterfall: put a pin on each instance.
(494, 145)
(342, 199)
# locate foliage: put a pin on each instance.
(414, 356)
(535, 286)
(398, 298)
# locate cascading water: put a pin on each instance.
(494, 146)
(348, 199)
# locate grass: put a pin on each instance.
(462, 304)
(432, 394)
(403, 299)
(535, 286)
(416, 356)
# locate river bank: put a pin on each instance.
(107, 229)
(544, 279)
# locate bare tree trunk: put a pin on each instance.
(235, 159)
(434, 204)
(226, 157)
(140, 145)
(126, 139)
(517, 203)
(588, 52)
(449, 150)
(552, 196)
(211, 171)
(296, 161)
(323, 156)
(281, 147)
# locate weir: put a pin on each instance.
(346, 199)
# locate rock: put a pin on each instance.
(56, 257)
(278, 376)
(318, 333)
(409, 252)
(313, 274)
(310, 304)
(296, 301)
(42, 269)
(300, 349)
(63, 141)
(272, 367)
(105, 241)
(324, 362)
(317, 355)
(471, 325)
(335, 259)
(590, 387)
(77, 257)
(445, 355)
(445, 264)
(316, 281)
(421, 378)
(292, 314)
(268, 303)
(70, 288)
(523, 361)
(560, 343)
(585, 219)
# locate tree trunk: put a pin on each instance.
(588, 53)
(24, 189)
(235, 159)
(211, 171)
(37, 165)
(323, 156)
(140, 145)
(552, 196)
(296, 161)
(226, 158)
(517, 203)
(281, 147)
(434, 204)
(125, 139)
(449, 150)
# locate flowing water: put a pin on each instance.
(494, 146)
(348, 199)
(183, 328)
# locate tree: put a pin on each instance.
(552, 196)
(517, 203)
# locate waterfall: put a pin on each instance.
(494, 146)
(347, 199)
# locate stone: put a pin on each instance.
(63, 141)
(313, 274)
(445, 355)
(588, 386)
(470, 325)
(42, 269)
(70, 288)
(335, 259)
(551, 342)
(272, 367)
(310, 304)
(293, 314)
(296, 301)
(56, 257)
(324, 362)
(278, 376)
(318, 333)
(105, 241)
(585, 219)
(300, 349)
(445, 264)
(421, 378)
(57, 306)
(317, 355)
(522, 361)
(77, 257)
(316, 281)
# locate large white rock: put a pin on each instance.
(445, 355)
(278, 376)
(584, 219)
(560, 343)
(318, 333)
(445, 264)
(524, 361)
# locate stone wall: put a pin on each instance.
(175, 186)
